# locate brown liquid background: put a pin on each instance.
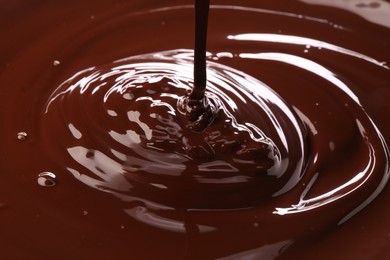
(46, 223)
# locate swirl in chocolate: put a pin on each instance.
(287, 156)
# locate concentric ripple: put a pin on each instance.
(298, 145)
(131, 138)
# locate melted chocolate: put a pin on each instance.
(99, 158)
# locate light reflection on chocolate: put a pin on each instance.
(296, 162)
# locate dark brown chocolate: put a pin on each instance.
(99, 158)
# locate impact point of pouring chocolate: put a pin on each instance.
(200, 113)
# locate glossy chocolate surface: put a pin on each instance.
(99, 158)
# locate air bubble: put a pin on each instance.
(22, 136)
(47, 179)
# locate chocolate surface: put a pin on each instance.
(100, 160)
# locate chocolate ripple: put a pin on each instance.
(306, 154)
(131, 137)
(127, 136)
